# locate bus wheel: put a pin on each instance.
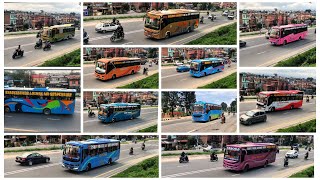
(285, 42)
(265, 164)
(246, 168)
(47, 111)
(114, 76)
(110, 161)
(291, 107)
(273, 109)
(167, 35)
(88, 167)
(209, 118)
(300, 38)
(132, 72)
(6, 109)
(113, 120)
(188, 30)
(205, 74)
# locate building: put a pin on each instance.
(38, 80)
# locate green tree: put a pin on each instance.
(170, 100)
(224, 106)
(188, 98)
(233, 105)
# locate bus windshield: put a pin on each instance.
(274, 33)
(152, 23)
(262, 99)
(100, 67)
(198, 108)
(71, 151)
(232, 155)
(194, 66)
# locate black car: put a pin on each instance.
(242, 43)
(32, 158)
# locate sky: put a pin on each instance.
(296, 73)
(47, 7)
(294, 6)
(216, 97)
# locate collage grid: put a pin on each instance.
(173, 105)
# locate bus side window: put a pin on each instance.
(243, 153)
(84, 154)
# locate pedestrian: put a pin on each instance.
(223, 118)
(144, 70)
(147, 71)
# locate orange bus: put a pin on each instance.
(111, 68)
(163, 24)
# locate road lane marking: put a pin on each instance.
(192, 172)
(30, 169)
(261, 52)
(108, 36)
(172, 75)
(54, 119)
(127, 43)
(251, 47)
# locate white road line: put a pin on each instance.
(127, 43)
(261, 52)
(30, 169)
(251, 47)
(28, 52)
(192, 172)
(53, 119)
(163, 77)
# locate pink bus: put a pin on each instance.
(241, 157)
(281, 35)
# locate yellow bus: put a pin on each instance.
(58, 32)
(163, 24)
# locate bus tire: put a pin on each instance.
(47, 111)
(113, 120)
(291, 107)
(167, 35)
(265, 164)
(246, 168)
(189, 29)
(205, 74)
(110, 161)
(114, 77)
(210, 118)
(7, 109)
(285, 42)
(88, 167)
(273, 109)
(300, 38)
(132, 72)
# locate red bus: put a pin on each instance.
(281, 35)
(240, 157)
(279, 100)
(116, 67)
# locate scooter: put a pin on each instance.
(213, 158)
(47, 47)
(17, 54)
(91, 115)
(38, 45)
(286, 163)
(143, 147)
(184, 159)
(86, 39)
(114, 37)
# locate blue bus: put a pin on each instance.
(203, 67)
(39, 100)
(92, 153)
(118, 111)
(204, 112)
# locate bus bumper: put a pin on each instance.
(199, 118)
(231, 166)
(155, 35)
(71, 167)
(102, 118)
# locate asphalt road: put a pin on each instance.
(171, 79)
(34, 57)
(200, 166)
(91, 82)
(54, 169)
(148, 117)
(259, 51)
(30, 122)
(278, 119)
(134, 32)
(186, 125)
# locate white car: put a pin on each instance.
(105, 27)
(178, 63)
(292, 154)
(212, 16)
(231, 17)
(225, 13)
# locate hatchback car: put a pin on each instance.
(105, 27)
(253, 116)
(32, 158)
(292, 154)
(242, 43)
(182, 68)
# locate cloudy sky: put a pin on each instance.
(294, 6)
(216, 97)
(296, 73)
(47, 7)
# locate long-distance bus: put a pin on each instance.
(58, 32)
(39, 100)
(119, 111)
(92, 153)
(116, 67)
(281, 35)
(204, 112)
(167, 23)
(279, 100)
(240, 157)
(203, 67)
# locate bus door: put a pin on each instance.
(109, 67)
(110, 111)
(83, 154)
(243, 155)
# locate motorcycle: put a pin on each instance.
(213, 158)
(307, 100)
(184, 159)
(115, 37)
(309, 149)
(38, 45)
(143, 147)
(47, 47)
(86, 39)
(286, 163)
(306, 156)
(201, 21)
(17, 54)
(131, 152)
(91, 115)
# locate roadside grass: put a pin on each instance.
(148, 168)
(309, 126)
(151, 82)
(33, 149)
(190, 153)
(105, 18)
(226, 82)
(306, 173)
(306, 59)
(71, 59)
(226, 35)
(150, 129)
(19, 33)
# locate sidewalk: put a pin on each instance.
(38, 146)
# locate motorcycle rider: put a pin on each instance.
(39, 42)
(114, 20)
(286, 161)
(18, 50)
(90, 113)
(131, 150)
(184, 155)
(201, 20)
(84, 33)
(213, 156)
(143, 146)
(307, 100)
(47, 44)
(306, 155)
(119, 31)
